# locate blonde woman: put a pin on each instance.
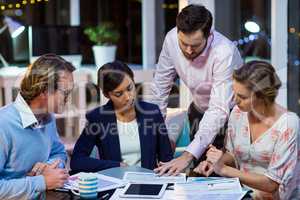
(262, 139)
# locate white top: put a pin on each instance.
(208, 77)
(274, 153)
(129, 142)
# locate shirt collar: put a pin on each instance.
(26, 114)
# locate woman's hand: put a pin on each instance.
(205, 168)
(214, 156)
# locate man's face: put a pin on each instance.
(58, 99)
(191, 44)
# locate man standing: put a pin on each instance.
(204, 60)
(31, 155)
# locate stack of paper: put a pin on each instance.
(104, 182)
(203, 188)
(142, 177)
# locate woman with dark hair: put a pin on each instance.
(262, 139)
(125, 131)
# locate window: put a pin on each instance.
(126, 15)
(54, 12)
(248, 24)
(166, 12)
(293, 56)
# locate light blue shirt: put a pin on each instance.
(24, 142)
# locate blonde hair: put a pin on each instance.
(43, 75)
(261, 78)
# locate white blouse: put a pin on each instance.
(129, 142)
(273, 154)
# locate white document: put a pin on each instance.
(204, 179)
(233, 196)
(170, 195)
(209, 188)
(104, 182)
(210, 185)
(142, 177)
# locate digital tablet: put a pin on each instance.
(144, 190)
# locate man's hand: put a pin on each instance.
(175, 166)
(55, 178)
(39, 167)
(205, 168)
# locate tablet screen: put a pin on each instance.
(143, 189)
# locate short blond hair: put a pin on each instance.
(261, 78)
(43, 75)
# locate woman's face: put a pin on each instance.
(123, 96)
(244, 98)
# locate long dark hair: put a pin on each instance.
(111, 75)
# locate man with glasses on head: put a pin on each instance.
(204, 60)
(31, 155)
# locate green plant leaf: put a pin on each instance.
(103, 34)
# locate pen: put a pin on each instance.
(221, 181)
(104, 196)
(221, 185)
(61, 190)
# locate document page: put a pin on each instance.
(142, 177)
(209, 188)
(233, 196)
(104, 182)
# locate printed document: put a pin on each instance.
(142, 177)
(104, 182)
(209, 188)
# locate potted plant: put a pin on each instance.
(105, 37)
